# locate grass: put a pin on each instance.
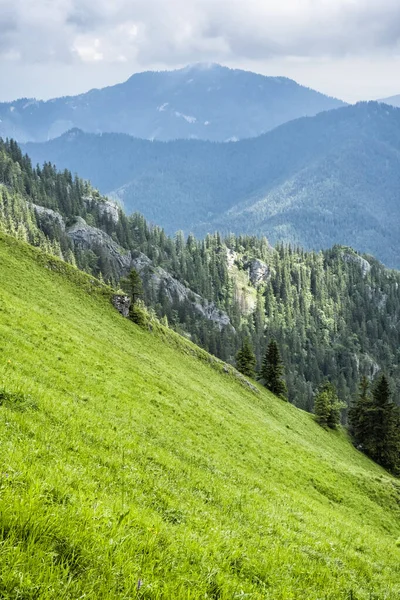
(131, 469)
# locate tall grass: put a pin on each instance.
(129, 468)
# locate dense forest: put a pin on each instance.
(315, 182)
(333, 313)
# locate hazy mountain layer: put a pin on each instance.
(330, 179)
(204, 101)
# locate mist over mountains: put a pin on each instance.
(198, 102)
(333, 178)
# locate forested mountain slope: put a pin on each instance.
(201, 101)
(335, 314)
(330, 179)
(129, 468)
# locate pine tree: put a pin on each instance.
(327, 406)
(322, 408)
(359, 415)
(375, 424)
(272, 371)
(133, 285)
(384, 446)
(245, 359)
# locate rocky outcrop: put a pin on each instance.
(86, 237)
(158, 278)
(231, 257)
(104, 206)
(258, 271)
(52, 215)
(352, 257)
(122, 303)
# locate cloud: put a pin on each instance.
(141, 34)
(168, 31)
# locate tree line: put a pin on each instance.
(333, 315)
(373, 417)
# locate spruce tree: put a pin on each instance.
(132, 284)
(375, 424)
(322, 407)
(360, 421)
(384, 447)
(245, 359)
(272, 371)
(327, 406)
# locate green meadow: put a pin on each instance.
(132, 467)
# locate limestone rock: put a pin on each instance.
(158, 277)
(122, 303)
(231, 257)
(52, 215)
(349, 256)
(86, 237)
(105, 207)
(259, 272)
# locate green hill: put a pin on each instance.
(128, 463)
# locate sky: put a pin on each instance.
(345, 48)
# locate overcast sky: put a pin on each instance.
(345, 48)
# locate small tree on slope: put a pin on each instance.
(272, 371)
(327, 406)
(322, 407)
(132, 284)
(245, 359)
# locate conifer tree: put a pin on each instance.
(132, 284)
(384, 444)
(272, 371)
(359, 415)
(327, 406)
(375, 424)
(322, 407)
(245, 359)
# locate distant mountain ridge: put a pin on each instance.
(198, 102)
(330, 179)
(392, 101)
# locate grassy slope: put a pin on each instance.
(128, 460)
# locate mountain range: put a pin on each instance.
(315, 181)
(202, 101)
(392, 101)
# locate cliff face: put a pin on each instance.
(86, 237)
(158, 277)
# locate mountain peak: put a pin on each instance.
(204, 66)
(204, 100)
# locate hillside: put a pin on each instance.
(316, 182)
(128, 463)
(334, 313)
(392, 101)
(201, 101)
